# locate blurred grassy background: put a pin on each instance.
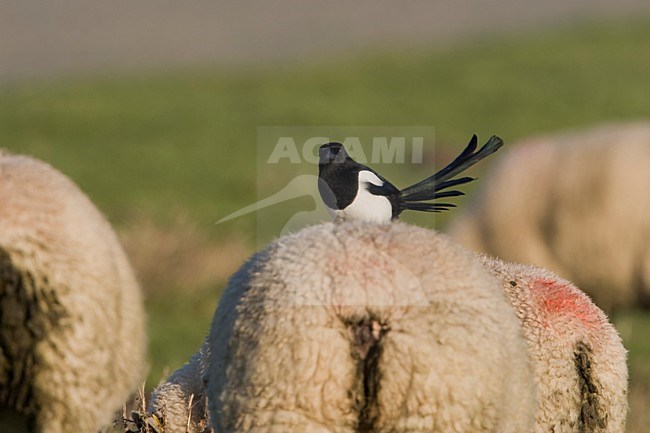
(166, 155)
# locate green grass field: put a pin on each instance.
(189, 139)
(185, 143)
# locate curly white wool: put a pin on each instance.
(578, 357)
(360, 327)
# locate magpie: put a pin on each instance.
(354, 192)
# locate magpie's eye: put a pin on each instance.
(335, 150)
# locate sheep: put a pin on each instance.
(179, 405)
(72, 336)
(356, 327)
(576, 204)
(579, 360)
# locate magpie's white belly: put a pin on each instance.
(369, 208)
(366, 206)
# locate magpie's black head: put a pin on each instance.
(332, 152)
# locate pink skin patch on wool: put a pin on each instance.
(563, 299)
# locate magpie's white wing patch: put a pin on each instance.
(370, 177)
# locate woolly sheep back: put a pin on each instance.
(72, 321)
(358, 328)
(579, 359)
(576, 204)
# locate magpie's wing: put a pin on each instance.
(387, 189)
(377, 184)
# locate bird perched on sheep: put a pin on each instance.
(579, 360)
(367, 328)
(576, 204)
(72, 335)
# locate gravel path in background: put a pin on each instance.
(41, 38)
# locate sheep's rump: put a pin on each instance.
(364, 328)
(578, 357)
(72, 339)
(576, 204)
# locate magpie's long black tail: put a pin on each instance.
(432, 187)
